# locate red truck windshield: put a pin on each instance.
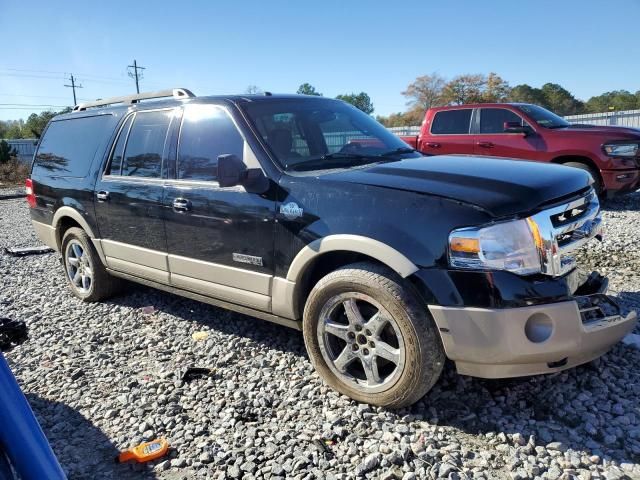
(543, 117)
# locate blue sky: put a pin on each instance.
(216, 47)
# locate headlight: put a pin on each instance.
(512, 246)
(621, 149)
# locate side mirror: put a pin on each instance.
(515, 127)
(232, 171)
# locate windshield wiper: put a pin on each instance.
(398, 151)
(334, 160)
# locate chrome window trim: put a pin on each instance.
(109, 176)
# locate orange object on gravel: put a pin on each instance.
(145, 452)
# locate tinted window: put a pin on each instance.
(68, 146)
(492, 119)
(145, 146)
(451, 122)
(118, 151)
(544, 117)
(314, 134)
(207, 132)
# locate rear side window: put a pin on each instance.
(145, 145)
(68, 146)
(118, 152)
(492, 119)
(207, 132)
(451, 122)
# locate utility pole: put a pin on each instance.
(73, 86)
(134, 74)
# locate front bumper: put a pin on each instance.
(618, 182)
(514, 342)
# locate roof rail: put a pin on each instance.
(177, 93)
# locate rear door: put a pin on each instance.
(450, 133)
(220, 240)
(492, 140)
(129, 196)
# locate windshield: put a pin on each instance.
(316, 134)
(544, 117)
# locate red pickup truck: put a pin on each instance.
(530, 132)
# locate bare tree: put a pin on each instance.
(496, 89)
(464, 89)
(425, 92)
(253, 89)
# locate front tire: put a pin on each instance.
(370, 338)
(84, 271)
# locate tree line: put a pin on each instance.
(435, 91)
(32, 128)
(423, 93)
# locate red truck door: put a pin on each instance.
(491, 139)
(449, 133)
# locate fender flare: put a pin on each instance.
(74, 214)
(285, 291)
(350, 243)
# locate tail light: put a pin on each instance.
(31, 197)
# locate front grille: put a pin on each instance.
(565, 228)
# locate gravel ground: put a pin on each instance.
(103, 377)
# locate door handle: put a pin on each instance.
(181, 205)
(102, 196)
(485, 144)
(433, 145)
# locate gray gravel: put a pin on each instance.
(103, 377)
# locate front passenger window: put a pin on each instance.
(207, 132)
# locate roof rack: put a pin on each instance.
(177, 93)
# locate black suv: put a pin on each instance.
(306, 212)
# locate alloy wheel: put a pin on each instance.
(78, 266)
(361, 342)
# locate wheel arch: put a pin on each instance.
(578, 159)
(324, 255)
(67, 217)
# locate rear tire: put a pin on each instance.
(597, 181)
(370, 338)
(84, 271)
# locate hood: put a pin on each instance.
(500, 186)
(602, 130)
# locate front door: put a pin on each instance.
(219, 240)
(492, 140)
(129, 197)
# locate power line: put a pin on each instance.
(135, 73)
(32, 105)
(58, 73)
(73, 86)
(36, 96)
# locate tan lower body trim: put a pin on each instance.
(224, 292)
(134, 254)
(46, 234)
(283, 298)
(138, 270)
(212, 301)
(221, 274)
